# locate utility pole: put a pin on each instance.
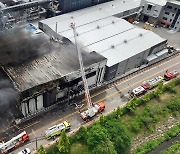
(56, 27)
(85, 83)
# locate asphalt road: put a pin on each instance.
(114, 95)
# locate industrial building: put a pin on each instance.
(13, 12)
(111, 47)
(171, 15)
(163, 12)
(152, 10)
(45, 79)
(112, 37)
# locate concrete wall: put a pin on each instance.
(110, 72)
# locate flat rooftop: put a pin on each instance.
(114, 38)
(90, 14)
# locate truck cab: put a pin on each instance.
(92, 111)
(170, 75)
(101, 106)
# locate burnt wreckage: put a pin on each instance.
(46, 71)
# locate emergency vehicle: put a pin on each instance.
(14, 143)
(56, 130)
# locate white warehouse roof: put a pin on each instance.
(109, 39)
(90, 14)
(98, 30)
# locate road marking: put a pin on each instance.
(137, 82)
(117, 92)
(129, 79)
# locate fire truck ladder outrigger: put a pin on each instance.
(92, 109)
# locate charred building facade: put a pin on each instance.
(50, 73)
(44, 66)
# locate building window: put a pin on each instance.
(149, 7)
(172, 14)
(175, 9)
(169, 7)
(164, 18)
(170, 20)
(166, 13)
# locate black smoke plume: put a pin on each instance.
(8, 96)
(17, 45)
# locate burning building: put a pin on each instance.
(45, 71)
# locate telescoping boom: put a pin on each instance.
(92, 109)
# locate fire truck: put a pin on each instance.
(93, 109)
(152, 82)
(14, 143)
(56, 130)
(170, 75)
(138, 91)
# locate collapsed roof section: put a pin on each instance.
(58, 61)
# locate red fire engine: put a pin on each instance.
(13, 143)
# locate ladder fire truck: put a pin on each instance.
(13, 143)
(92, 109)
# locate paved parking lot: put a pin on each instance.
(173, 39)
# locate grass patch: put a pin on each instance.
(79, 148)
(151, 145)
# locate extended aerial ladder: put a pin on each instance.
(92, 109)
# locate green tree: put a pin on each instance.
(119, 135)
(63, 143)
(106, 147)
(102, 120)
(81, 134)
(41, 150)
(96, 135)
(118, 112)
(132, 104)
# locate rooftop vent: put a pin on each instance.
(125, 41)
(140, 34)
(77, 34)
(100, 8)
(112, 46)
(72, 17)
(113, 22)
(98, 27)
(124, 1)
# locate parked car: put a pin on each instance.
(25, 151)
